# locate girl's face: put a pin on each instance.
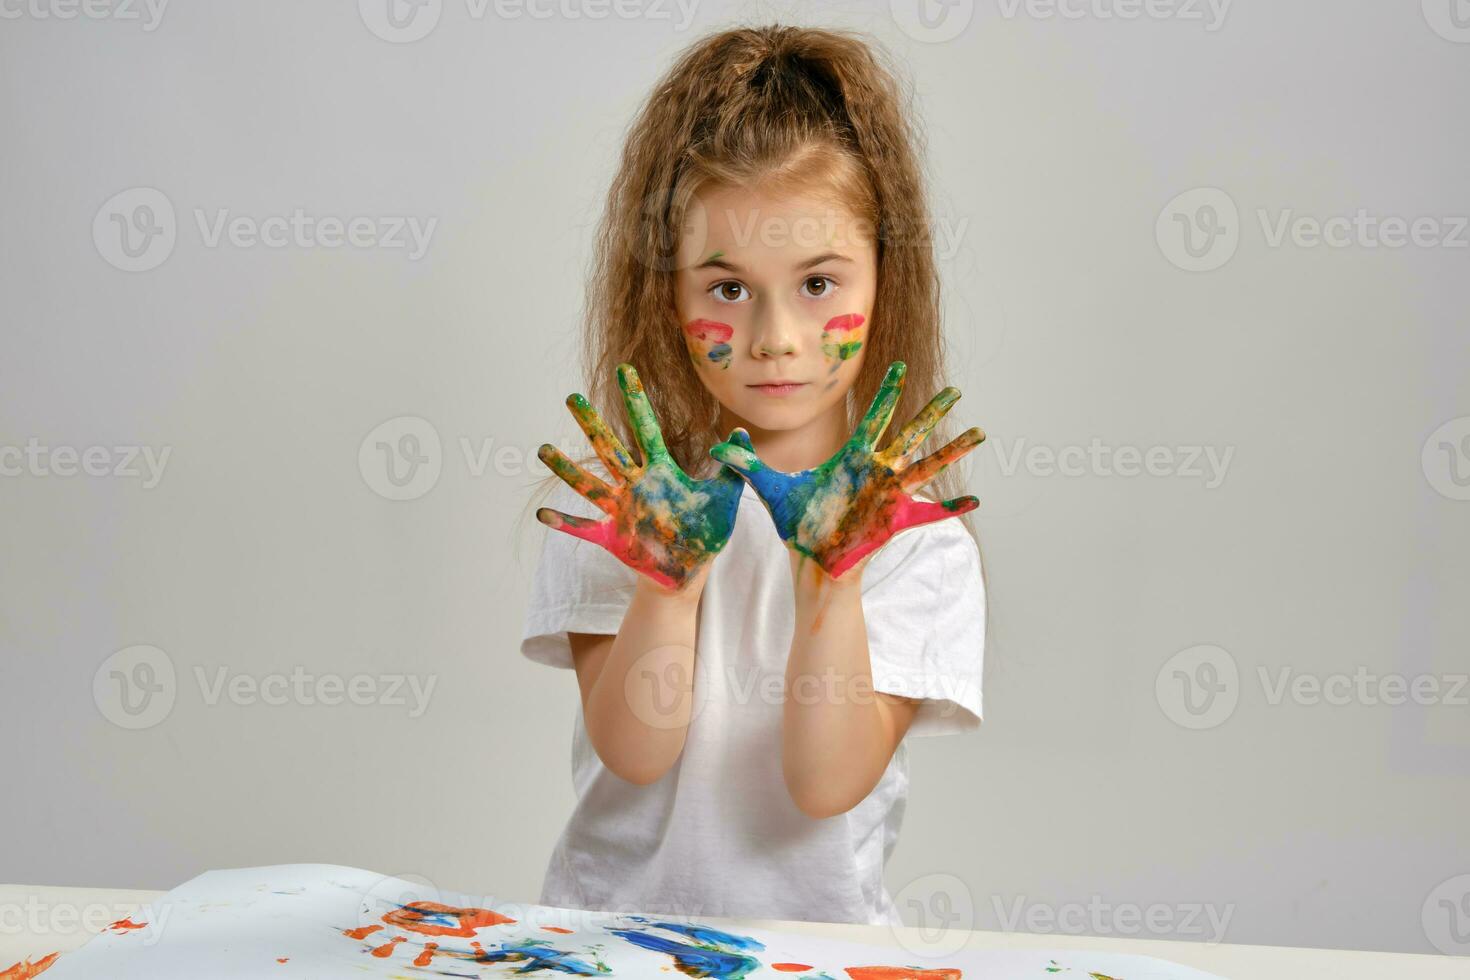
(774, 297)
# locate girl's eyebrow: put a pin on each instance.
(716, 262)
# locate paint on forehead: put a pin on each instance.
(709, 340)
(714, 255)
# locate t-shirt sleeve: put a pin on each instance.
(924, 608)
(578, 587)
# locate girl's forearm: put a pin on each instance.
(638, 711)
(836, 739)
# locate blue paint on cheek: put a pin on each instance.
(719, 353)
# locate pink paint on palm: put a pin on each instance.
(711, 330)
(844, 323)
(606, 535)
(906, 512)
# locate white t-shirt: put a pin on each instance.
(718, 834)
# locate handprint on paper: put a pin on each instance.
(659, 522)
(849, 506)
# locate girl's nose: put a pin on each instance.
(776, 334)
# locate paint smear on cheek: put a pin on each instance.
(709, 340)
(842, 338)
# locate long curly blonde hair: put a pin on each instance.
(774, 106)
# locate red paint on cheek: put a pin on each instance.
(711, 330)
(844, 323)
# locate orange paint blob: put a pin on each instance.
(362, 933)
(901, 973)
(791, 967)
(126, 925)
(26, 969)
(557, 929)
(283, 959)
(427, 956)
(420, 917)
(386, 950)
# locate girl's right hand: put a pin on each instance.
(660, 522)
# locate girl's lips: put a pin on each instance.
(779, 390)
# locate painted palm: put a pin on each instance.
(659, 522)
(848, 507)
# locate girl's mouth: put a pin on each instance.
(779, 389)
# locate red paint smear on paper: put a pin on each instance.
(362, 933)
(901, 973)
(126, 925)
(844, 323)
(412, 915)
(713, 330)
(791, 967)
(283, 959)
(25, 969)
(557, 929)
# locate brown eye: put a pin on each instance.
(824, 287)
(722, 291)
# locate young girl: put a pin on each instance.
(751, 635)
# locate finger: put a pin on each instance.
(876, 420)
(736, 453)
(578, 527)
(605, 441)
(926, 469)
(918, 512)
(577, 478)
(640, 412)
(909, 438)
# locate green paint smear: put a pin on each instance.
(842, 352)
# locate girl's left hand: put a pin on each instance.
(849, 506)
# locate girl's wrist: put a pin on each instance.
(811, 580)
(686, 594)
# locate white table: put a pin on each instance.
(38, 920)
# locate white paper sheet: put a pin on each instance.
(323, 921)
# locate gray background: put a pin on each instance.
(1333, 545)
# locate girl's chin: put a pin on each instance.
(775, 418)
